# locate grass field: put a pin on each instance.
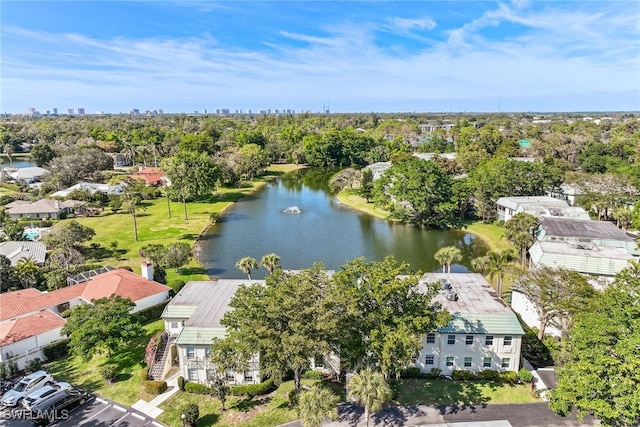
(351, 199)
(491, 234)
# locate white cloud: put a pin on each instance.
(406, 24)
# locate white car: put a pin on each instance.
(44, 393)
(24, 387)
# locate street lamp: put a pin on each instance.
(183, 417)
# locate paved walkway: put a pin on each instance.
(151, 408)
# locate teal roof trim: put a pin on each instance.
(199, 336)
(492, 324)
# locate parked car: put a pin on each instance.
(26, 386)
(44, 393)
(58, 406)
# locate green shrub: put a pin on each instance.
(191, 414)
(411, 373)
(33, 365)
(489, 375)
(108, 371)
(525, 376)
(509, 377)
(176, 285)
(462, 375)
(152, 313)
(252, 390)
(56, 350)
(196, 388)
(434, 373)
(155, 387)
(394, 385)
(181, 383)
(144, 374)
(313, 375)
(3, 370)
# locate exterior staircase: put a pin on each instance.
(160, 361)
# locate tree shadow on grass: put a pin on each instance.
(124, 376)
(188, 236)
(244, 405)
(450, 396)
(209, 419)
(97, 253)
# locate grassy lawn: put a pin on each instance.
(441, 392)
(128, 388)
(492, 234)
(262, 411)
(351, 199)
(155, 226)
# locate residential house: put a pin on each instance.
(91, 187)
(17, 251)
(30, 175)
(599, 233)
(483, 334)
(43, 208)
(538, 206)
(192, 320)
(151, 176)
(566, 192)
(30, 319)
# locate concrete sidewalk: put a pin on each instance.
(151, 408)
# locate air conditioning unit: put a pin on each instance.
(452, 296)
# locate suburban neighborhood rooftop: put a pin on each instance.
(574, 228)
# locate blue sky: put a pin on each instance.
(358, 56)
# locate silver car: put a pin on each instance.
(44, 393)
(25, 387)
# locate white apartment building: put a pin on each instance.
(484, 333)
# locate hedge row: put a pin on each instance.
(56, 350)
(155, 387)
(249, 390)
(508, 377)
(152, 313)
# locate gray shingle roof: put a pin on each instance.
(575, 228)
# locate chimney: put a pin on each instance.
(147, 270)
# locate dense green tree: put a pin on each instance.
(271, 262)
(192, 176)
(520, 231)
(79, 164)
(253, 160)
(246, 265)
(8, 279)
(384, 313)
(558, 294)
(27, 272)
(447, 256)
(603, 193)
(288, 320)
(65, 258)
(177, 255)
(219, 389)
(496, 264)
(198, 143)
(417, 192)
(68, 234)
(106, 324)
(317, 405)
(601, 376)
(370, 389)
(155, 253)
(42, 154)
(366, 184)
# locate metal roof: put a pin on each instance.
(498, 324)
(199, 336)
(178, 311)
(16, 251)
(575, 228)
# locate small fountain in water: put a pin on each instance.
(292, 210)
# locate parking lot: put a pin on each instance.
(98, 412)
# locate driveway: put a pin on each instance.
(98, 412)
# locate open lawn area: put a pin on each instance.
(262, 411)
(155, 226)
(443, 392)
(351, 199)
(130, 361)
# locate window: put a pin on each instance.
(428, 359)
(207, 352)
(248, 377)
(507, 341)
(449, 360)
(431, 338)
(488, 340)
(506, 362)
(486, 362)
(211, 374)
(192, 374)
(451, 339)
(468, 361)
(191, 352)
(174, 325)
(231, 377)
(469, 340)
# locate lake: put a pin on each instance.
(323, 230)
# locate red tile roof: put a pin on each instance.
(150, 175)
(29, 326)
(118, 282)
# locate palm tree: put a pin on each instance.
(317, 405)
(447, 256)
(270, 262)
(27, 272)
(370, 390)
(497, 264)
(247, 264)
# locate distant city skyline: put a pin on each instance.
(355, 56)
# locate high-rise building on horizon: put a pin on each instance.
(81, 111)
(70, 111)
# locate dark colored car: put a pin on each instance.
(58, 406)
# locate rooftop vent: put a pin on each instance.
(445, 284)
(451, 296)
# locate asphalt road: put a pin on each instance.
(98, 412)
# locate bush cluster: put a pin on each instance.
(313, 375)
(196, 388)
(412, 373)
(252, 390)
(144, 374)
(56, 350)
(152, 313)
(462, 375)
(108, 371)
(155, 387)
(525, 376)
(489, 375)
(175, 285)
(33, 365)
(181, 383)
(508, 377)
